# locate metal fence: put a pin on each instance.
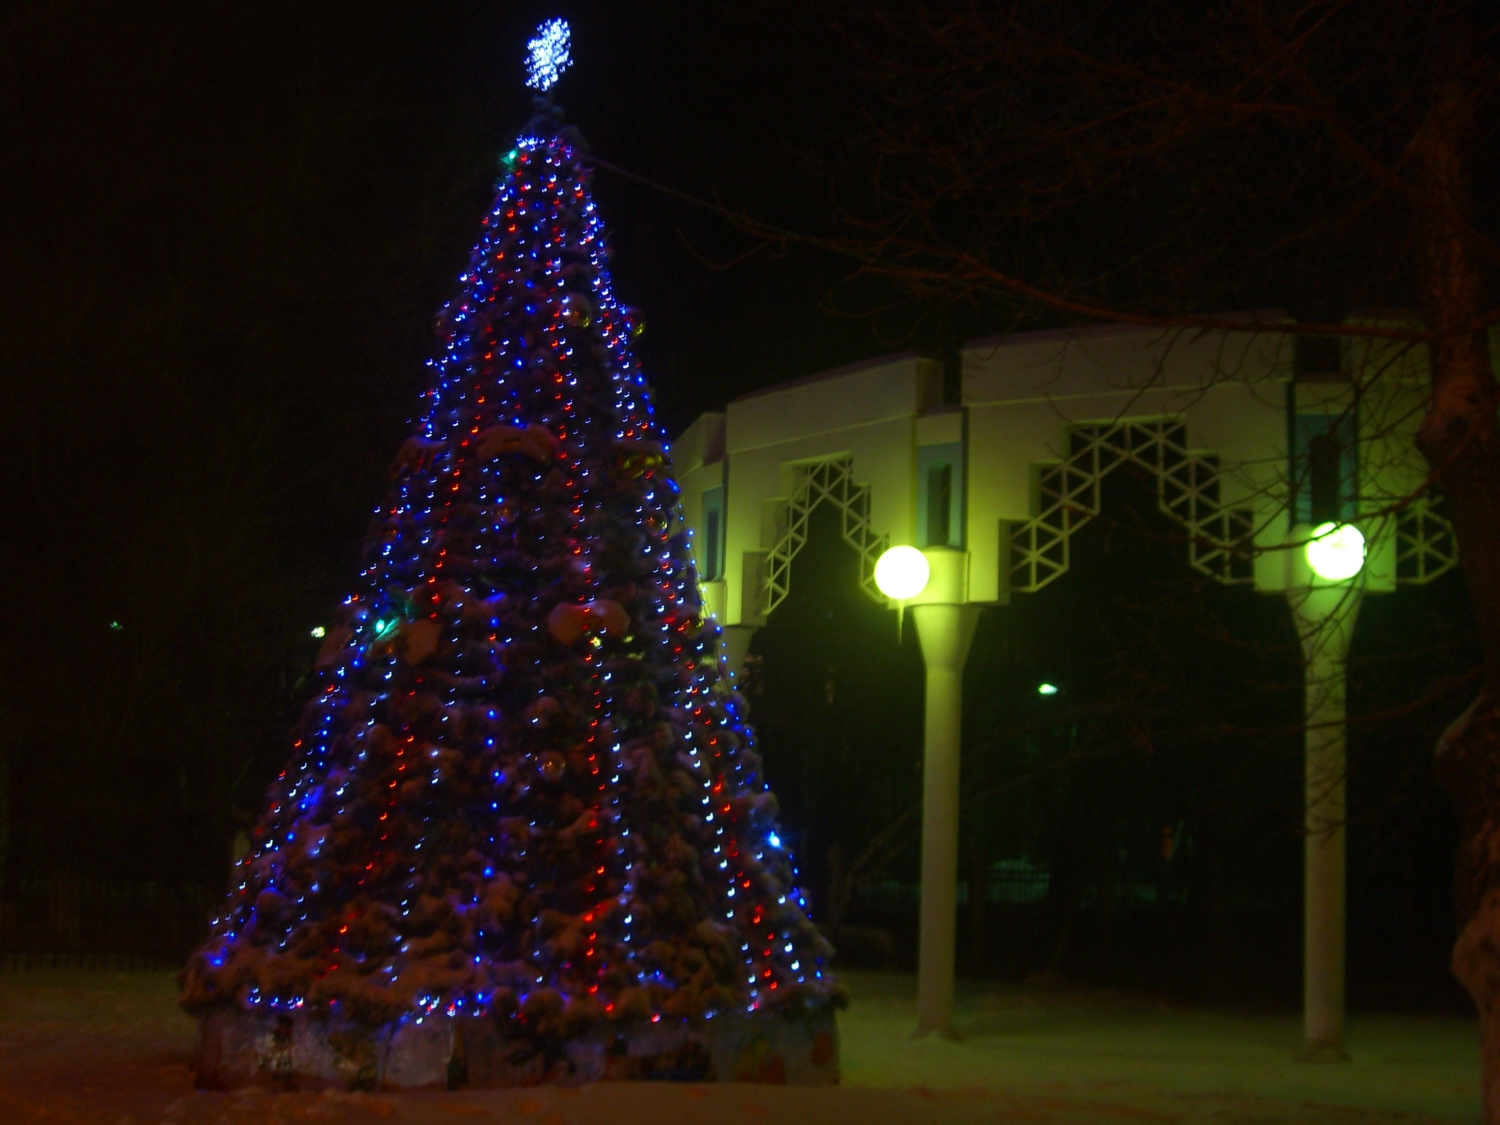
(1010, 881)
(64, 921)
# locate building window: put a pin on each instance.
(711, 553)
(1325, 476)
(939, 504)
(940, 495)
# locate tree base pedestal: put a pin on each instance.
(238, 1049)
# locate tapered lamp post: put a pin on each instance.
(934, 583)
(1325, 602)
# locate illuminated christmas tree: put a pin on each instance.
(523, 835)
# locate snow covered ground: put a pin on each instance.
(112, 1048)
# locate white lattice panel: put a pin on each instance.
(1188, 489)
(829, 482)
(1425, 547)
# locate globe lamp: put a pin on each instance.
(1335, 552)
(902, 573)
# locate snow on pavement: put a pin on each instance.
(112, 1048)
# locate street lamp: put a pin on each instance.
(936, 582)
(1336, 551)
(901, 573)
(1325, 604)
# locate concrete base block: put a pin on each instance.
(297, 1051)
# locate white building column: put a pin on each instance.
(945, 628)
(1325, 614)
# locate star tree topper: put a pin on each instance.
(549, 54)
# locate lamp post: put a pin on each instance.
(935, 583)
(1325, 601)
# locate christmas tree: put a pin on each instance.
(524, 793)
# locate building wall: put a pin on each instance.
(699, 464)
(867, 413)
(1020, 395)
(1023, 393)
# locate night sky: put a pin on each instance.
(146, 133)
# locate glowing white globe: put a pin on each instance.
(902, 573)
(1336, 551)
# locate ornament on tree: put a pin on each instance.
(552, 766)
(331, 650)
(609, 617)
(415, 641)
(497, 855)
(635, 458)
(604, 616)
(415, 455)
(468, 607)
(534, 441)
(578, 310)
